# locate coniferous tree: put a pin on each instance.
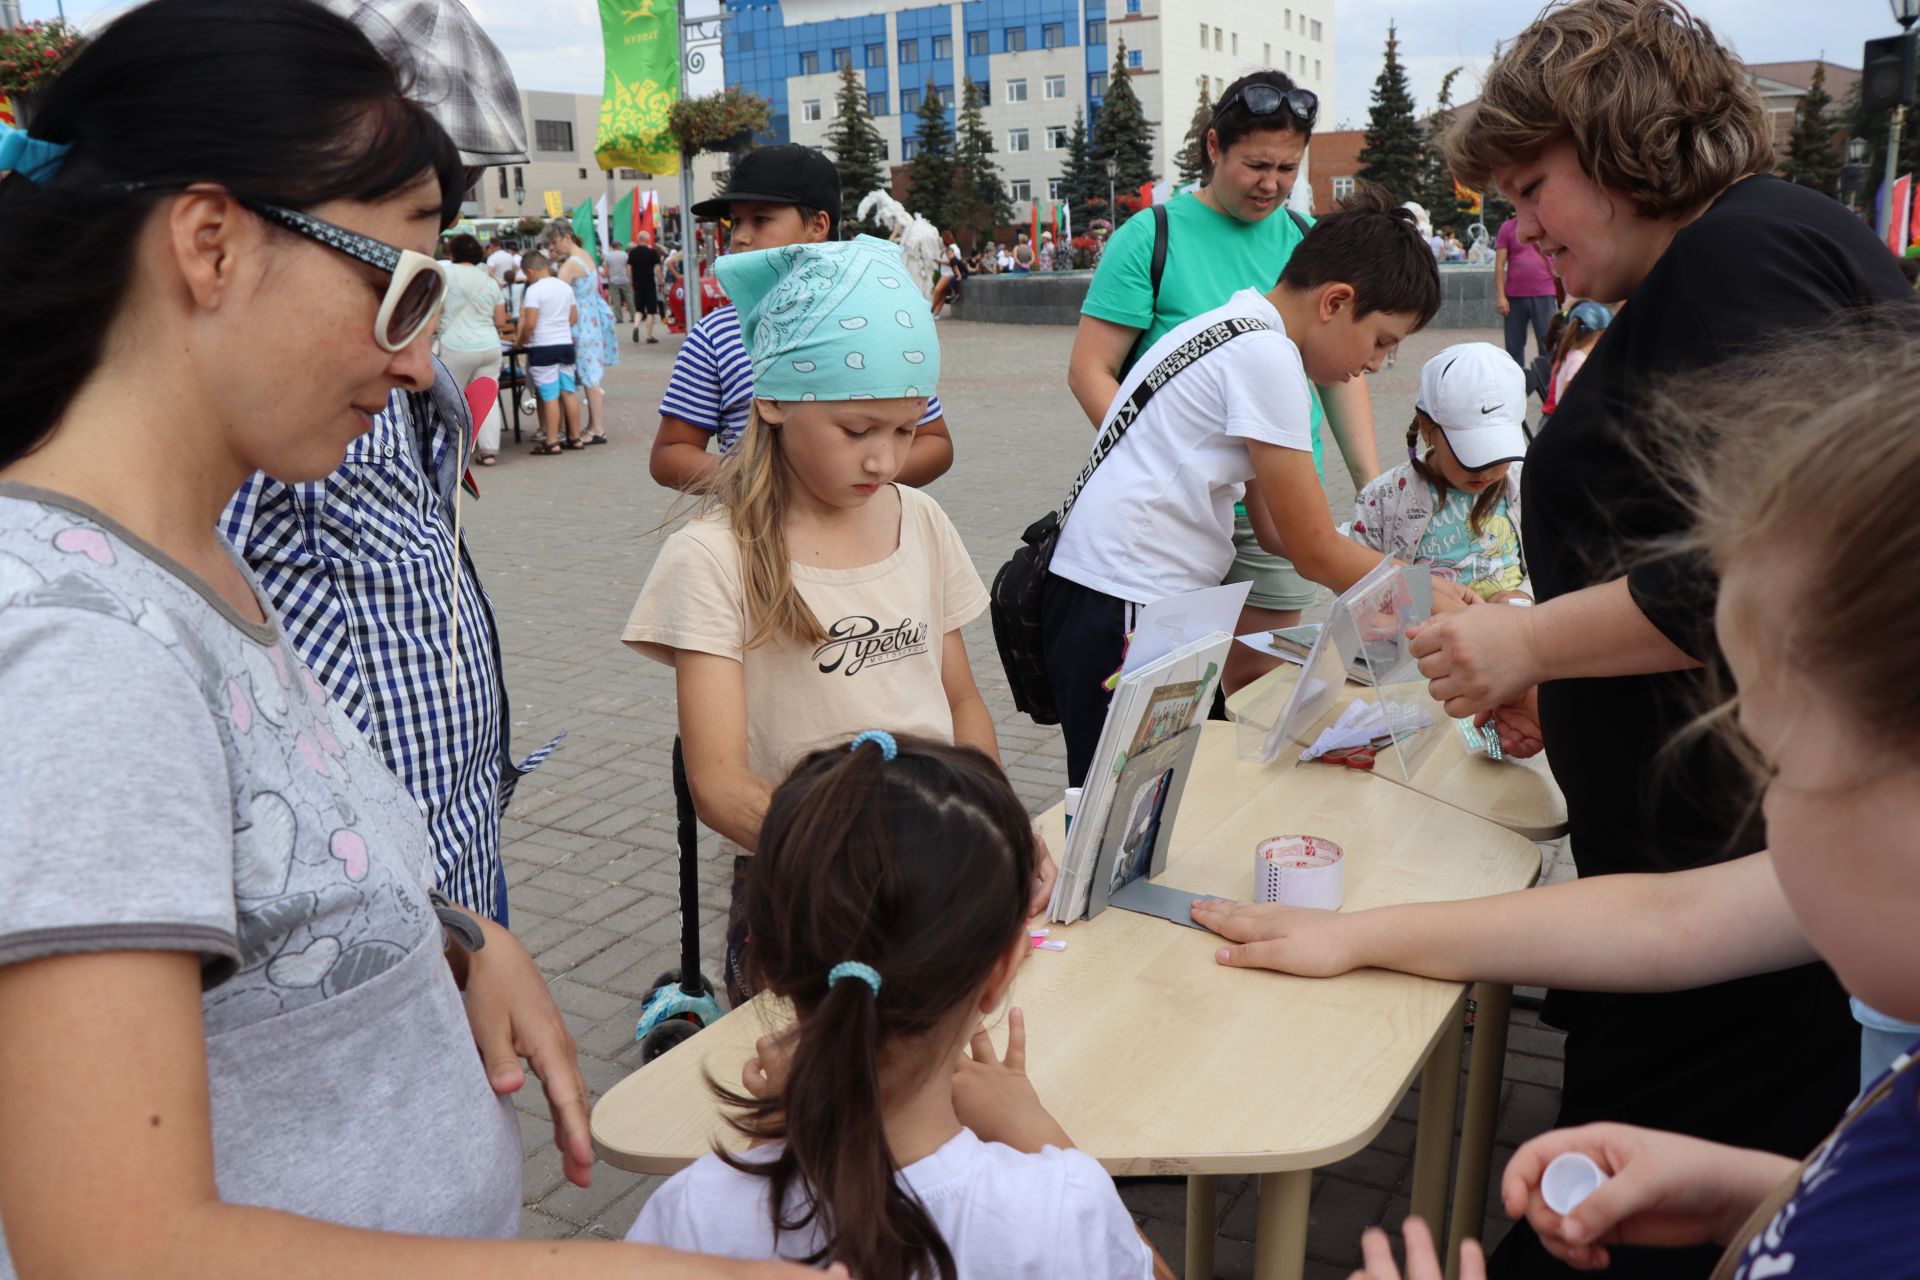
(1436, 188)
(1083, 184)
(981, 203)
(1812, 160)
(1122, 135)
(1193, 156)
(858, 151)
(1391, 156)
(930, 175)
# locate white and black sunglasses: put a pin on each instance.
(413, 294)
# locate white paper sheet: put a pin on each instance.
(1165, 625)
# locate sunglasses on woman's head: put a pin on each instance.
(1265, 100)
(413, 294)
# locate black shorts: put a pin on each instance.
(648, 304)
(557, 353)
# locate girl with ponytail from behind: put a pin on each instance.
(887, 904)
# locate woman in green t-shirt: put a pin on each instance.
(1221, 239)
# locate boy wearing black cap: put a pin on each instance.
(779, 195)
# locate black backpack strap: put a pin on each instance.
(1298, 220)
(1159, 250)
(1208, 340)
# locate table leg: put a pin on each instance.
(1201, 1226)
(1484, 1070)
(1433, 1145)
(1280, 1233)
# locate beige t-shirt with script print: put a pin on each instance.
(886, 621)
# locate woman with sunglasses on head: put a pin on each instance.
(1231, 234)
(232, 1008)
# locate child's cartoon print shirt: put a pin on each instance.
(175, 780)
(1397, 513)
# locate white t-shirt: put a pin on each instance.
(1156, 519)
(555, 301)
(500, 265)
(1005, 1214)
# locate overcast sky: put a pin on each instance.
(555, 44)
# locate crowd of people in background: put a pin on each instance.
(230, 517)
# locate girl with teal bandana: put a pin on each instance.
(813, 597)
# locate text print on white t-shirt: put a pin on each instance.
(858, 641)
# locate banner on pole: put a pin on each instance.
(555, 207)
(642, 83)
(583, 229)
(1899, 209)
(1469, 200)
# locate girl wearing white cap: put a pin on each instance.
(1456, 506)
(815, 598)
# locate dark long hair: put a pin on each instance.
(280, 100)
(1237, 123)
(918, 866)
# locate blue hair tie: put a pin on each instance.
(888, 750)
(854, 969)
(34, 159)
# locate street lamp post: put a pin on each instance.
(1113, 213)
(1853, 174)
(1906, 13)
(520, 192)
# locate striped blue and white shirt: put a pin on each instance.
(360, 567)
(712, 382)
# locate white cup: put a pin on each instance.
(1570, 1178)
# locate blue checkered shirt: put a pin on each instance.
(360, 567)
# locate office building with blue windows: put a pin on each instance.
(1036, 62)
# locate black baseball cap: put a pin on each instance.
(784, 173)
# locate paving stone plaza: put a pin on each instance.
(563, 545)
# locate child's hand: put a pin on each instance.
(1423, 1261)
(765, 1074)
(1044, 874)
(993, 1097)
(1663, 1190)
(1298, 940)
(1518, 724)
(1477, 659)
(1449, 595)
(513, 1016)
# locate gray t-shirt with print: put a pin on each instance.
(175, 780)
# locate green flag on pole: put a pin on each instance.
(643, 81)
(583, 229)
(626, 216)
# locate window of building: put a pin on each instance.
(747, 42)
(1020, 190)
(985, 89)
(876, 55)
(1016, 39)
(1056, 88)
(553, 135)
(886, 149)
(583, 173)
(942, 48)
(1289, 19)
(1017, 140)
(1054, 187)
(842, 59)
(1342, 188)
(909, 101)
(943, 94)
(629, 175)
(1218, 88)
(976, 44)
(1096, 86)
(1289, 62)
(1056, 137)
(1236, 44)
(876, 104)
(810, 63)
(1216, 40)
(810, 109)
(1096, 30)
(503, 182)
(909, 148)
(909, 51)
(1266, 55)
(1316, 68)
(1316, 28)
(1053, 35)
(1134, 60)
(1203, 35)
(1133, 6)
(1016, 91)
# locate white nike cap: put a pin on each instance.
(1478, 396)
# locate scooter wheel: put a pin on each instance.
(666, 1036)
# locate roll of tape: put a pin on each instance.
(1299, 871)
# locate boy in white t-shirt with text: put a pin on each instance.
(1156, 516)
(547, 315)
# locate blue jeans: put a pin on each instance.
(1522, 312)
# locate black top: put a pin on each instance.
(642, 262)
(1768, 259)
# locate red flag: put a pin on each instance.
(1146, 195)
(1034, 240)
(646, 215)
